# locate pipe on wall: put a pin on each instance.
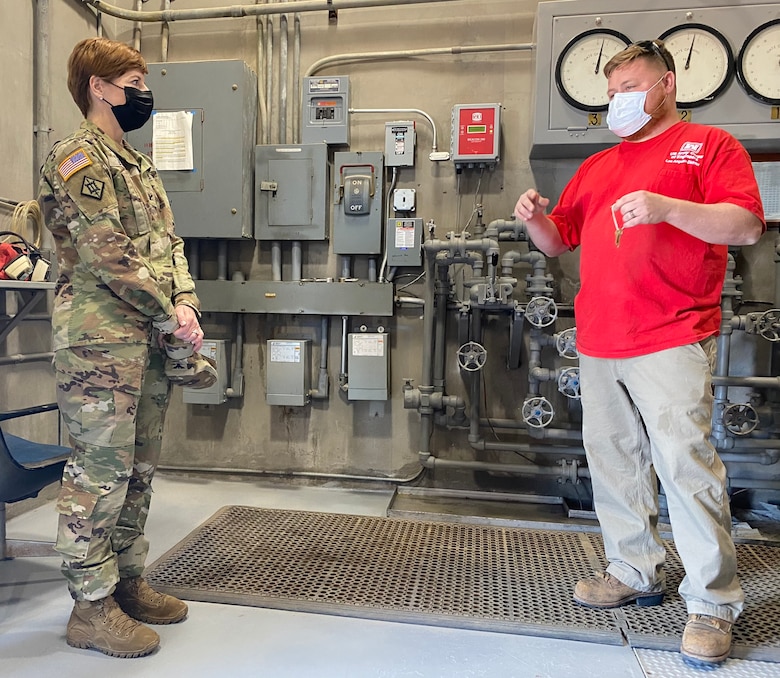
(238, 11)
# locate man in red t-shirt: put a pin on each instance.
(682, 193)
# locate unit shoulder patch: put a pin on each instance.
(76, 161)
(92, 188)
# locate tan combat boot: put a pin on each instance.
(605, 591)
(102, 625)
(143, 603)
(706, 641)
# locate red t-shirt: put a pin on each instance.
(661, 288)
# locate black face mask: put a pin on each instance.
(136, 110)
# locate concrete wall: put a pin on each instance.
(333, 436)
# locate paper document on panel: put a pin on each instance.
(172, 140)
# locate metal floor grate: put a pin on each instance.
(514, 580)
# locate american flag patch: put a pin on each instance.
(73, 163)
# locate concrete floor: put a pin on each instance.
(227, 640)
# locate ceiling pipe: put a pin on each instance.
(236, 11)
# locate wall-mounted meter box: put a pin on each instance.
(287, 372)
(476, 135)
(357, 203)
(369, 366)
(404, 242)
(201, 137)
(399, 143)
(219, 351)
(325, 113)
(291, 192)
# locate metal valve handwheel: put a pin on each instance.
(538, 412)
(566, 343)
(472, 356)
(768, 324)
(740, 419)
(541, 311)
(569, 382)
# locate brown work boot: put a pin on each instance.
(143, 603)
(102, 625)
(604, 591)
(706, 641)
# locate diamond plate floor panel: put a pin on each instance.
(511, 580)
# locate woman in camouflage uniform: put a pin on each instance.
(123, 283)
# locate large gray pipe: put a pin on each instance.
(42, 85)
(237, 11)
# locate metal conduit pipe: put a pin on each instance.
(412, 53)
(20, 358)
(137, 27)
(297, 260)
(286, 474)
(222, 260)
(276, 260)
(321, 392)
(296, 112)
(165, 36)
(193, 257)
(42, 86)
(564, 432)
(238, 11)
(269, 73)
(404, 110)
(528, 448)
(283, 61)
(262, 100)
(567, 471)
(343, 367)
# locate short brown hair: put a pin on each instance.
(651, 50)
(102, 57)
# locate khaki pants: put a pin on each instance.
(651, 416)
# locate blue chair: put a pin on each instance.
(26, 468)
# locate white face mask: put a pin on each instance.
(626, 114)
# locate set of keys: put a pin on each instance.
(618, 229)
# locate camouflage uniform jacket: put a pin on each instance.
(121, 266)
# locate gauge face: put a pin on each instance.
(579, 71)
(758, 63)
(703, 61)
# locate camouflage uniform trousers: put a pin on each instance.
(113, 400)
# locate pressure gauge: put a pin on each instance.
(758, 63)
(703, 61)
(578, 72)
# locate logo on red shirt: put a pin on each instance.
(689, 154)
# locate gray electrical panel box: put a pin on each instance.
(325, 111)
(399, 143)
(573, 124)
(357, 203)
(203, 129)
(219, 351)
(291, 192)
(404, 242)
(369, 366)
(287, 372)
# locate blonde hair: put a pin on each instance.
(653, 51)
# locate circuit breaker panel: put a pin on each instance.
(357, 203)
(291, 192)
(202, 139)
